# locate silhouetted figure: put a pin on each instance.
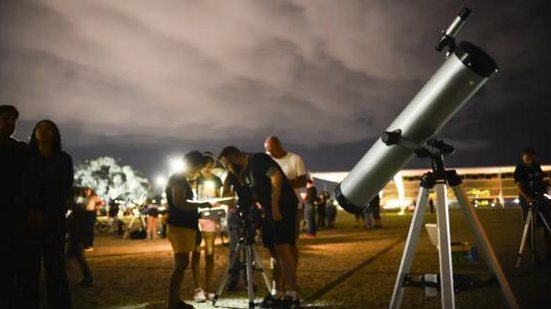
(76, 225)
(528, 177)
(47, 186)
(12, 160)
(183, 223)
(310, 208)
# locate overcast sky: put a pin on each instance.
(141, 80)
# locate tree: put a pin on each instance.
(111, 180)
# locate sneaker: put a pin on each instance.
(199, 295)
(288, 303)
(211, 296)
(89, 249)
(184, 305)
(269, 301)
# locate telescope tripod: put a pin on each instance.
(530, 227)
(253, 262)
(439, 179)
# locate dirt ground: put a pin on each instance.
(346, 267)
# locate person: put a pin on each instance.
(274, 192)
(182, 223)
(208, 186)
(372, 214)
(113, 218)
(47, 185)
(294, 170)
(13, 155)
(152, 212)
(230, 185)
(331, 211)
(92, 202)
(77, 223)
(321, 207)
(310, 208)
(359, 216)
(530, 183)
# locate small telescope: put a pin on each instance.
(466, 69)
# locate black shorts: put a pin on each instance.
(281, 232)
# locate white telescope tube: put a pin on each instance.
(455, 82)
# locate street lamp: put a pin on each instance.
(176, 165)
(160, 181)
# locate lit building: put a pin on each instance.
(486, 186)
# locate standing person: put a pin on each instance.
(76, 224)
(310, 208)
(528, 177)
(12, 160)
(152, 212)
(275, 194)
(331, 211)
(47, 185)
(208, 186)
(322, 204)
(372, 214)
(294, 170)
(231, 183)
(92, 202)
(183, 221)
(113, 217)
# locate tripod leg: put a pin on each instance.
(524, 235)
(227, 274)
(486, 248)
(260, 267)
(545, 223)
(250, 284)
(409, 250)
(444, 247)
(533, 236)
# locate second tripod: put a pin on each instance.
(534, 212)
(246, 209)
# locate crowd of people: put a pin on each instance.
(37, 185)
(37, 190)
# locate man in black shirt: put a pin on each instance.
(275, 194)
(530, 182)
(12, 160)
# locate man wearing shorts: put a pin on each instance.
(275, 194)
(183, 220)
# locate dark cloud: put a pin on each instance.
(326, 76)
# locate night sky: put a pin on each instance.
(143, 80)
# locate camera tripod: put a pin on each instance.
(530, 227)
(439, 179)
(253, 262)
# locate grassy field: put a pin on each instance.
(346, 267)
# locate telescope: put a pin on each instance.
(466, 69)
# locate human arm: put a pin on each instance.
(299, 182)
(525, 193)
(276, 180)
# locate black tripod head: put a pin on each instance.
(434, 149)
